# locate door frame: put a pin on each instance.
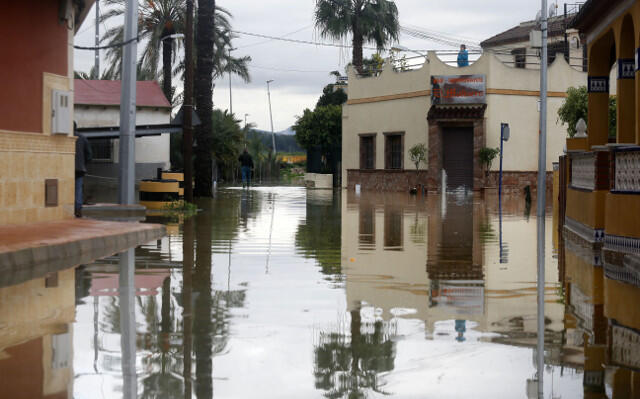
(438, 121)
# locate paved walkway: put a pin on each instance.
(32, 250)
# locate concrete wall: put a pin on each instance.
(399, 101)
(153, 149)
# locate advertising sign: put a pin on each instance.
(458, 89)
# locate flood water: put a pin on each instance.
(289, 293)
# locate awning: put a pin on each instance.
(471, 111)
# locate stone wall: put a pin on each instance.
(385, 179)
(26, 161)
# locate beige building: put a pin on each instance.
(386, 115)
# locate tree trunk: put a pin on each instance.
(203, 325)
(357, 49)
(203, 83)
(167, 50)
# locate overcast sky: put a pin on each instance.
(300, 71)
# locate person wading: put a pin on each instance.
(246, 164)
(463, 56)
(83, 156)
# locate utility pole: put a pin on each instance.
(273, 135)
(541, 197)
(187, 107)
(128, 106)
(97, 41)
(245, 120)
(230, 100)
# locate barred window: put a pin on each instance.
(367, 151)
(394, 149)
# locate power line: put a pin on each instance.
(120, 44)
(268, 40)
(298, 41)
(286, 70)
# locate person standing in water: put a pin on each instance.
(246, 164)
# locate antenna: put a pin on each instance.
(553, 8)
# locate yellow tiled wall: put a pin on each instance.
(26, 161)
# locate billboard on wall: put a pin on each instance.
(458, 89)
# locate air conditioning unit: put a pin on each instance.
(61, 112)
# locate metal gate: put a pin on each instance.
(457, 148)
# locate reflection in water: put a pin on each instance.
(350, 365)
(128, 324)
(424, 299)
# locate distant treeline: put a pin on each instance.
(284, 143)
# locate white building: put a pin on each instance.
(97, 105)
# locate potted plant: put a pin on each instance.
(418, 155)
(487, 155)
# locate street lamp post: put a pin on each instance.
(273, 135)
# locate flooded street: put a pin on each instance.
(294, 293)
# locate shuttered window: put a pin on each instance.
(367, 151)
(394, 150)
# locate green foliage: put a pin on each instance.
(364, 21)
(185, 208)
(320, 127)
(227, 142)
(418, 154)
(487, 155)
(575, 107)
(331, 97)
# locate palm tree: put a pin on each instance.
(157, 19)
(366, 21)
(203, 94)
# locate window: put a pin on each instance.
(367, 151)
(102, 149)
(519, 57)
(394, 150)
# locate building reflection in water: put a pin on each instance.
(407, 257)
(36, 336)
(602, 320)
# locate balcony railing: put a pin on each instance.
(627, 170)
(583, 171)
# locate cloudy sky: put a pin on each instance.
(300, 71)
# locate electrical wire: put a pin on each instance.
(269, 40)
(298, 41)
(121, 44)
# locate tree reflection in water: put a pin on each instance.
(318, 236)
(346, 366)
(211, 309)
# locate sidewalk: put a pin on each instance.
(30, 251)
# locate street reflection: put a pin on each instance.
(363, 295)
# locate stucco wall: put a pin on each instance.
(152, 149)
(399, 101)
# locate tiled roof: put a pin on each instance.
(107, 92)
(556, 26)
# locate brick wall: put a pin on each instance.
(26, 161)
(386, 180)
(517, 181)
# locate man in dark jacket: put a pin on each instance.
(83, 156)
(246, 164)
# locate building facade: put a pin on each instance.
(36, 140)
(97, 104)
(386, 115)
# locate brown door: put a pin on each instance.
(457, 147)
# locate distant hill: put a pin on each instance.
(285, 140)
